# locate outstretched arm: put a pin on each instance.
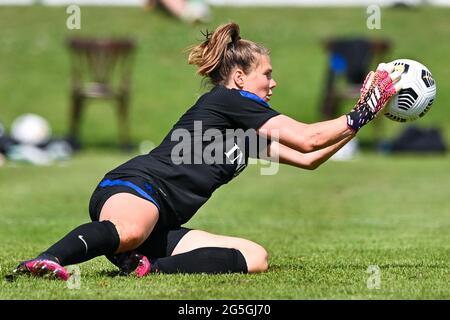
(306, 137)
(283, 154)
(375, 92)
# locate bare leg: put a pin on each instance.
(255, 255)
(133, 217)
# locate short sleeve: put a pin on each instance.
(247, 111)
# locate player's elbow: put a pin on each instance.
(306, 144)
(310, 141)
(310, 168)
(311, 165)
(310, 161)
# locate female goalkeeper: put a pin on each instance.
(138, 209)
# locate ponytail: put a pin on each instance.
(222, 51)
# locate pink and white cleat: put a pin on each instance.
(132, 263)
(43, 268)
(143, 267)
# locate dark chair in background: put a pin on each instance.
(349, 62)
(101, 69)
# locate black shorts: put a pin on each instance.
(165, 235)
(146, 189)
(161, 242)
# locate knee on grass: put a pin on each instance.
(257, 258)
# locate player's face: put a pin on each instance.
(259, 81)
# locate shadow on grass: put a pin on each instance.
(111, 273)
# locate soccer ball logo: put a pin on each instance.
(417, 94)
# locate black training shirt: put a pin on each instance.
(207, 147)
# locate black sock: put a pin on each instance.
(84, 243)
(202, 260)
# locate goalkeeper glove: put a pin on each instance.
(378, 87)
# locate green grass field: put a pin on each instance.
(323, 229)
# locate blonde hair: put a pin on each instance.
(222, 51)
